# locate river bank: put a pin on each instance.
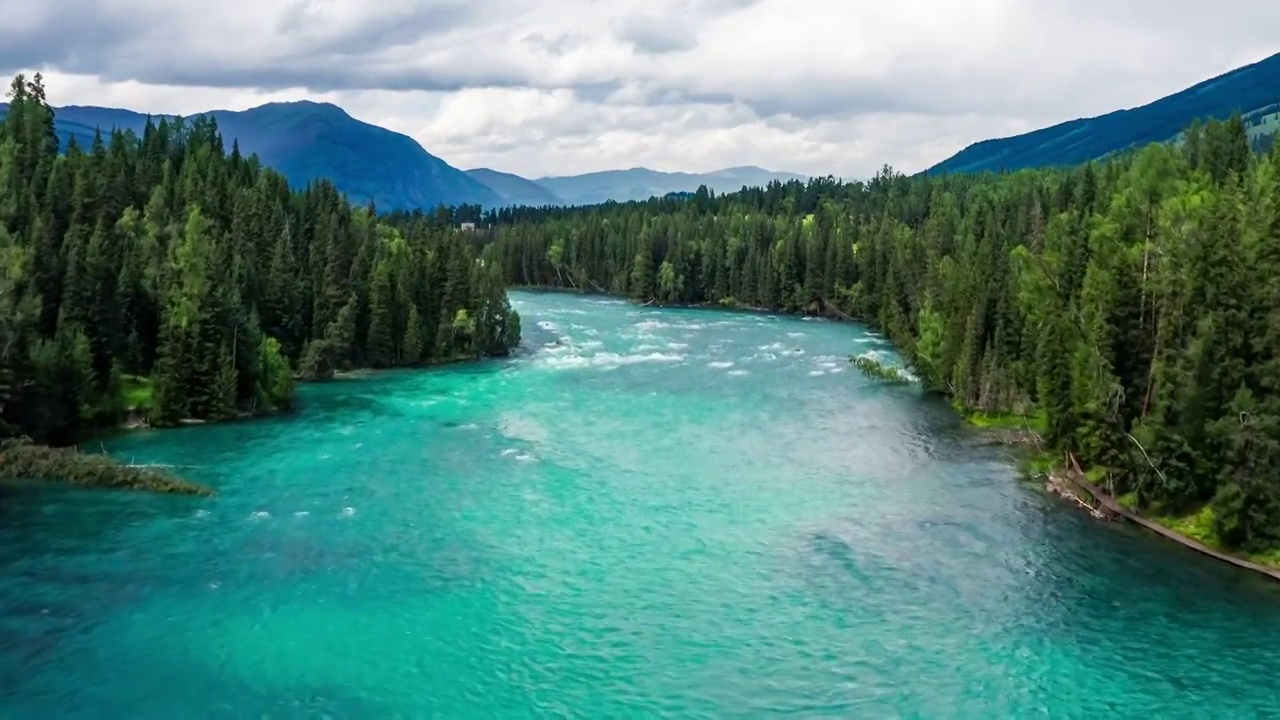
(1115, 508)
(1068, 480)
(1064, 478)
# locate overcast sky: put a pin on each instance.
(567, 86)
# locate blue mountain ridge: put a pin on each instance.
(515, 190)
(308, 140)
(1252, 90)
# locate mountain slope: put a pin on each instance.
(643, 183)
(514, 189)
(306, 141)
(1245, 90)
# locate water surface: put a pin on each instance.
(646, 513)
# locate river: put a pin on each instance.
(646, 512)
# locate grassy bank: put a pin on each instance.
(137, 394)
(1036, 421)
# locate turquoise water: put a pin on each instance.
(669, 513)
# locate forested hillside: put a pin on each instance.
(164, 272)
(1247, 90)
(1129, 309)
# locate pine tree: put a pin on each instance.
(413, 337)
(381, 344)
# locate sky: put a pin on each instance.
(556, 87)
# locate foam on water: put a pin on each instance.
(608, 360)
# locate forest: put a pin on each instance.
(170, 277)
(1127, 309)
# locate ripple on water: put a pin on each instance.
(608, 529)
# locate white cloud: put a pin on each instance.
(564, 86)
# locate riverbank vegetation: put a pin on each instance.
(1129, 309)
(879, 371)
(170, 276)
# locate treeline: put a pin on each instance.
(1131, 308)
(164, 271)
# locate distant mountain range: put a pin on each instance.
(307, 140)
(621, 185)
(1252, 90)
(643, 183)
(515, 190)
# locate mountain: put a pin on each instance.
(515, 190)
(307, 140)
(1252, 90)
(643, 183)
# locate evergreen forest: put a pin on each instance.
(1128, 309)
(170, 276)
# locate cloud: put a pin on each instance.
(559, 86)
(653, 35)
(327, 27)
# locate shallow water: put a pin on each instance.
(669, 513)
